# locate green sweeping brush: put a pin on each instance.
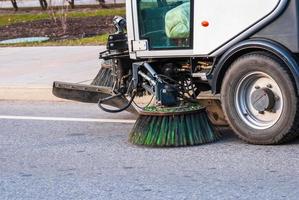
(104, 76)
(173, 127)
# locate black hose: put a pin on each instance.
(100, 102)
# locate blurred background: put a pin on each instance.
(59, 22)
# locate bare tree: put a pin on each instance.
(59, 16)
(14, 4)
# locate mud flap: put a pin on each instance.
(213, 106)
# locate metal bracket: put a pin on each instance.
(140, 45)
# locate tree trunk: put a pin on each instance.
(43, 4)
(14, 4)
(102, 3)
(72, 3)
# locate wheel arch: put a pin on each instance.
(217, 75)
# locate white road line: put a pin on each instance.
(124, 121)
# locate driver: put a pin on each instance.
(177, 22)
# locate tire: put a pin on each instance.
(259, 99)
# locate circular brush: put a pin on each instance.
(173, 127)
(104, 76)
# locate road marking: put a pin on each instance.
(124, 121)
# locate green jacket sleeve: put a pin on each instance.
(177, 22)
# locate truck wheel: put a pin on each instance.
(259, 99)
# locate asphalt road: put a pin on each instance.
(52, 158)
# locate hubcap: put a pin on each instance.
(263, 99)
(258, 100)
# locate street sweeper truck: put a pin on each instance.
(204, 63)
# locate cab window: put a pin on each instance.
(165, 23)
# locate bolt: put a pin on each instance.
(277, 98)
(269, 86)
(257, 87)
(261, 112)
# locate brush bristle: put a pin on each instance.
(173, 130)
(104, 78)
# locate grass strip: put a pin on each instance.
(8, 19)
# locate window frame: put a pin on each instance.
(191, 39)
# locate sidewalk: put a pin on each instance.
(27, 73)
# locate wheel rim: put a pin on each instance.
(247, 87)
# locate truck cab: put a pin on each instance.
(178, 28)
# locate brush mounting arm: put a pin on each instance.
(146, 77)
(146, 72)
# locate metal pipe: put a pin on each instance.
(150, 69)
(146, 77)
